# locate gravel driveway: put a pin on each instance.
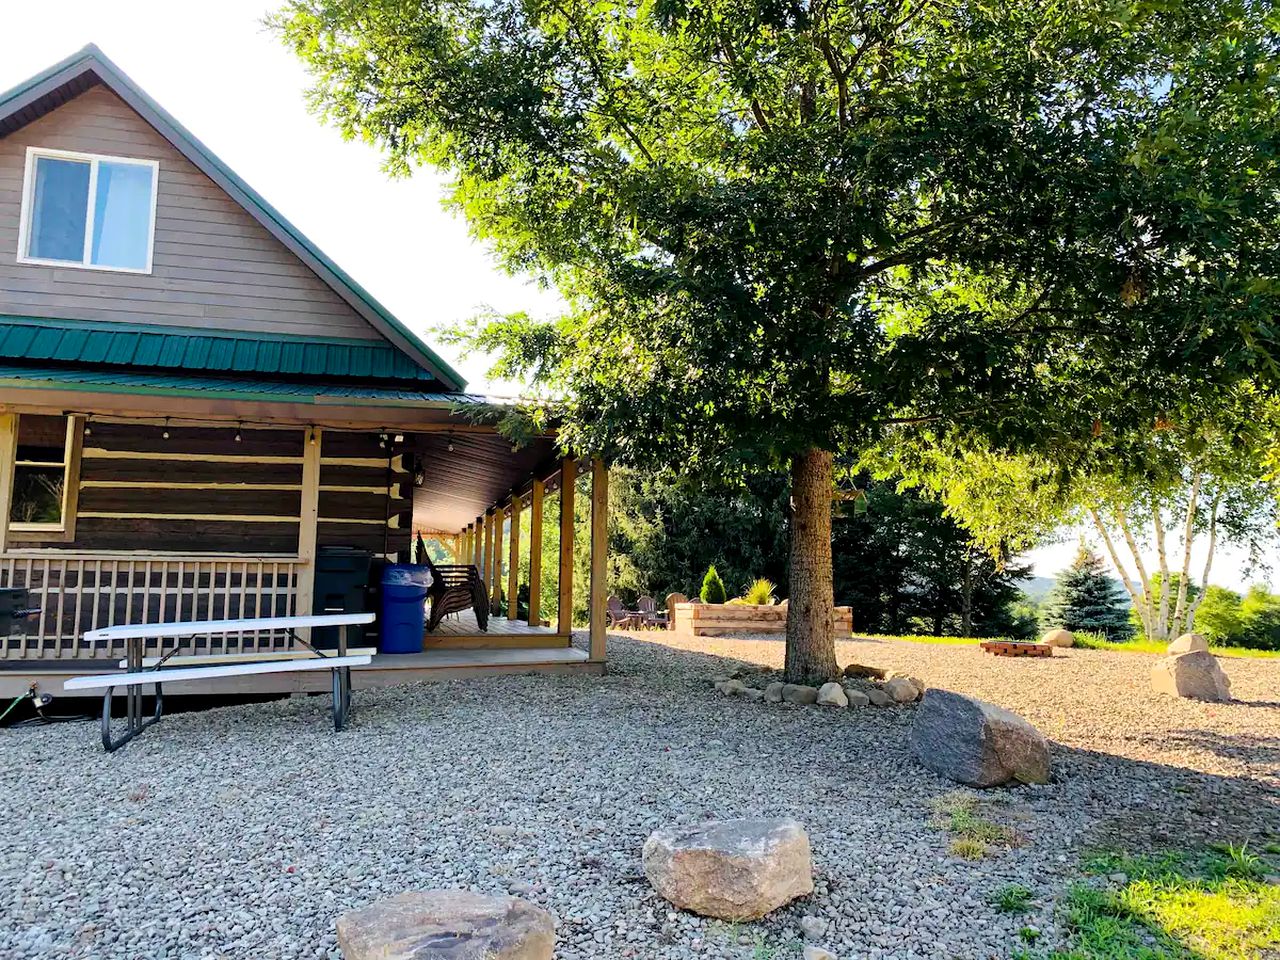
(242, 832)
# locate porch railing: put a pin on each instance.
(77, 591)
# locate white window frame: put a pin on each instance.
(65, 529)
(93, 159)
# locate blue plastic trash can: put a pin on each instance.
(404, 597)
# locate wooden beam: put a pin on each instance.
(313, 442)
(513, 574)
(535, 555)
(568, 486)
(495, 574)
(486, 561)
(599, 556)
(8, 456)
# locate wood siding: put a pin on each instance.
(215, 266)
(366, 498)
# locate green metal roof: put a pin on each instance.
(225, 388)
(107, 343)
(49, 89)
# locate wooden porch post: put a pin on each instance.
(513, 575)
(8, 454)
(499, 521)
(479, 550)
(304, 599)
(599, 555)
(486, 563)
(568, 481)
(535, 555)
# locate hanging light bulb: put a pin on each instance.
(238, 437)
(311, 438)
(382, 440)
(451, 443)
(88, 430)
(165, 434)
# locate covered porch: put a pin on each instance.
(222, 509)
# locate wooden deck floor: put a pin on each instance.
(463, 624)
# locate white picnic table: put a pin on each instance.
(139, 674)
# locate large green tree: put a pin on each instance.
(1086, 598)
(783, 227)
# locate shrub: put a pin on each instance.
(712, 587)
(760, 592)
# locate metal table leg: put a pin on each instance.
(341, 696)
(135, 724)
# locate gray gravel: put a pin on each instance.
(243, 832)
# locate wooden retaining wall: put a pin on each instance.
(729, 619)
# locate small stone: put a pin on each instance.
(977, 743)
(812, 928)
(773, 691)
(1196, 675)
(447, 925)
(1120, 879)
(812, 952)
(799, 693)
(1188, 643)
(751, 693)
(1058, 638)
(878, 697)
(832, 695)
(730, 869)
(901, 690)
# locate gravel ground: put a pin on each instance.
(242, 832)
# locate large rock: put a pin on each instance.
(856, 697)
(832, 695)
(730, 869)
(773, 691)
(447, 925)
(1058, 638)
(878, 697)
(1196, 675)
(977, 743)
(1188, 643)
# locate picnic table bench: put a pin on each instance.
(150, 671)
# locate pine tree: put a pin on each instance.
(1087, 598)
(712, 587)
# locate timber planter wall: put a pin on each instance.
(726, 619)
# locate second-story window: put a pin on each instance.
(83, 210)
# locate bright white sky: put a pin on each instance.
(215, 68)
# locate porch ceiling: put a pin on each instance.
(481, 470)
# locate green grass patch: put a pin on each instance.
(972, 835)
(922, 638)
(1174, 907)
(1086, 641)
(1012, 898)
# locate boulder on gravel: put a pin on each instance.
(1196, 675)
(812, 952)
(856, 698)
(799, 693)
(773, 691)
(447, 925)
(751, 693)
(977, 743)
(1058, 638)
(878, 697)
(1188, 643)
(902, 689)
(731, 688)
(730, 869)
(832, 695)
(867, 673)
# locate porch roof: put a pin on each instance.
(154, 347)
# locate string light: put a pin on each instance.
(165, 434)
(238, 437)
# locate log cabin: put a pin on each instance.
(196, 404)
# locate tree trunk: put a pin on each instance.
(966, 595)
(811, 642)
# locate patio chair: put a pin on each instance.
(648, 609)
(454, 587)
(670, 604)
(619, 616)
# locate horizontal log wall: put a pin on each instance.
(366, 493)
(729, 619)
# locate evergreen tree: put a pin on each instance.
(712, 587)
(1086, 598)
